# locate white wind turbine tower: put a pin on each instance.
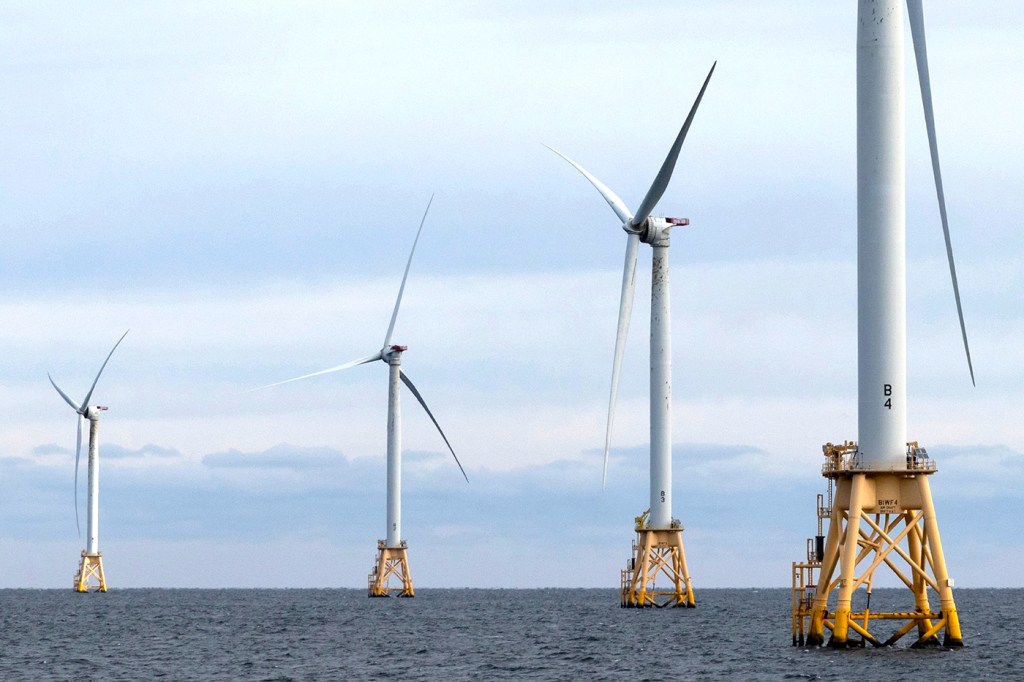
(392, 557)
(659, 545)
(883, 511)
(90, 574)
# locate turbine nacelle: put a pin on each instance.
(92, 413)
(654, 231)
(394, 351)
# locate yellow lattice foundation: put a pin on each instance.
(879, 520)
(657, 556)
(391, 572)
(90, 576)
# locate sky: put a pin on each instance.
(239, 184)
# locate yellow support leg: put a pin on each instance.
(953, 636)
(848, 564)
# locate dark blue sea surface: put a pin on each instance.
(550, 634)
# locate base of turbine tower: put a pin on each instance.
(90, 576)
(656, 575)
(881, 521)
(390, 575)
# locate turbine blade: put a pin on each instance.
(78, 454)
(408, 264)
(613, 200)
(665, 174)
(85, 403)
(347, 365)
(412, 388)
(916, 12)
(75, 406)
(625, 312)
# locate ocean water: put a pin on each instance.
(550, 634)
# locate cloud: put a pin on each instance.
(149, 450)
(980, 471)
(281, 456)
(51, 449)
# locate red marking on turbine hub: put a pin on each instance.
(399, 349)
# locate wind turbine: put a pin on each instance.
(90, 574)
(392, 557)
(659, 546)
(883, 510)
